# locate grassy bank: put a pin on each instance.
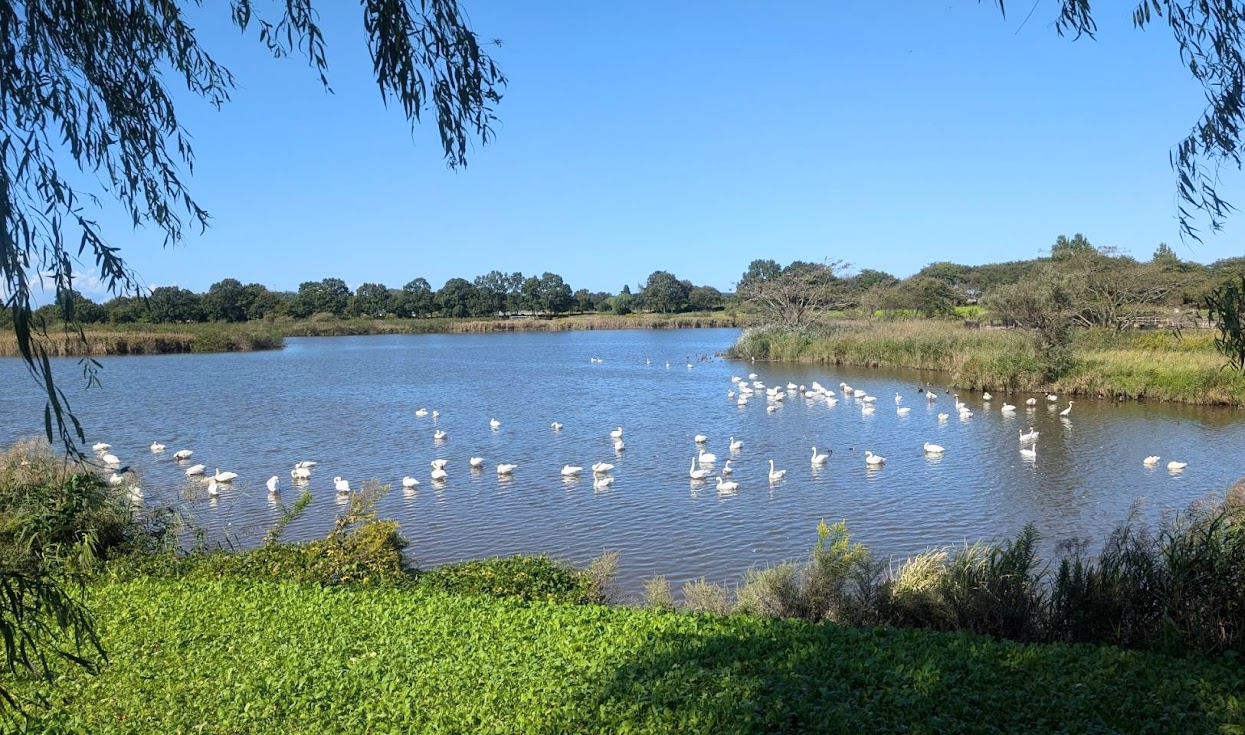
(1127, 365)
(156, 339)
(236, 655)
(153, 339)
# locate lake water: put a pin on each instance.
(350, 402)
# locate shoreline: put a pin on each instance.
(168, 339)
(1140, 366)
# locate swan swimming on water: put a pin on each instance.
(1150, 461)
(700, 439)
(933, 448)
(873, 460)
(224, 476)
(439, 464)
(727, 486)
(736, 444)
(494, 423)
(193, 470)
(1177, 465)
(506, 469)
(301, 473)
(156, 447)
(341, 486)
(476, 462)
(100, 447)
(439, 435)
(903, 411)
(409, 481)
(571, 470)
(697, 474)
(439, 474)
(707, 457)
(601, 467)
(726, 468)
(819, 458)
(1028, 436)
(555, 426)
(274, 484)
(181, 454)
(775, 475)
(616, 433)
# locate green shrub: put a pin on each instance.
(519, 576)
(657, 594)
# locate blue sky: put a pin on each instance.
(694, 137)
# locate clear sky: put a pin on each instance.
(695, 137)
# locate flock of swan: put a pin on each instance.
(703, 462)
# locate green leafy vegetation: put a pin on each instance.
(237, 655)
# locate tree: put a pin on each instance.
(456, 297)
(930, 296)
(1065, 248)
(1042, 304)
(552, 294)
(664, 292)
(227, 301)
(796, 296)
(705, 298)
(330, 296)
(370, 299)
(173, 305)
(1226, 307)
(417, 299)
(759, 271)
(869, 278)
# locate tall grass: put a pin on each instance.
(1178, 588)
(1124, 365)
(154, 339)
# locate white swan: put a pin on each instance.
(866, 409)
(476, 462)
(600, 483)
(1150, 461)
(100, 447)
(707, 457)
(1177, 465)
(1029, 452)
(274, 484)
(700, 439)
(213, 490)
(616, 433)
(898, 399)
(943, 417)
(727, 486)
(903, 411)
(182, 454)
(873, 459)
(601, 467)
(696, 474)
(752, 376)
(421, 412)
(494, 423)
(110, 459)
(775, 475)
(1028, 436)
(986, 396)
(933, 448)
(726, 468)
(439, 474)
(156, 447)
(571, 470)
(193, 470)
(435, 413)
(1052, 397)
(439, 435)
(439, 464)
(224, 476)
(115, 480)
(857, 393)
(341, 486)
(306, 464)
(506, 469)
(771, 409)
(736, 444)
(819, 458)
(1031, 402)
(555, 426)
(301, 473)
(409, 481)
(1009, 408)
(1067, 410)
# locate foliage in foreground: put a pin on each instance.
(1177, 589)
(236, 655)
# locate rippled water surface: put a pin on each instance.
(350, 402)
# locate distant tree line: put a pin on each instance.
(494, 294)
